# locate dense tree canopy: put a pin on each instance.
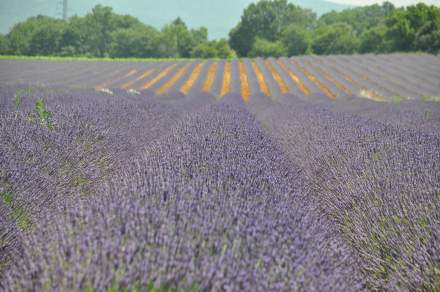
(337, 38)
(266, 28)
(40, 34)
(428, 37)
(359, 18)
(3, 45)
(213, 49)
(368, 29)
(267, 20)
(296, 40)
(103, 33)
(416, 28)
(180, 40)
(374, 40)
(265, 48)
(138, 42)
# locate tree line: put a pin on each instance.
(266, 28)
(277, 28)
(103, 33)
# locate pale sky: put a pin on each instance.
(395, 2)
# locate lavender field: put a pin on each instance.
(301, 174)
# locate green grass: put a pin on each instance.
(19, 214)
(429, 98)
(22, 218)
(150, 288)
(58, 58)
(103, 59)
(44, 115)
(397, 99)
(7, 198)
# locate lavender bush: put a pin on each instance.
(380, 183)
(215, 205)
(134, 192)
(60, 148)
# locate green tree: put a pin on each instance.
(267, 19)
(400, 31)
(75, 38)
(335, 39)
(359, 18)
(224, 50)
(125, 21)
(265, 48)
(374, 40)
(140, 42)
(296, 40)
(240, 39)
(99, 25)
(4, 46)
(40, 35)
(426, 20)
(92, 35)
(204, 50)
(200, 35)
(213, 49)
(20, 36)
(413, 28)
(428, 37)
(46, 40)
(178, 41)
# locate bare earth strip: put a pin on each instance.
(210, 78)
(186, 87)
(261, 81)
(173, 80)
(276, 76)
(160, 76)
(304, 89)
(226, 84)
(315, 80)
(131, 82)
(110, 82)
(245, 90)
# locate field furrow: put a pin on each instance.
(128, 84)
(244, 82)
(113, 81)
(189, 83)
(261, 81)
(299, 83)
(284, 89)
(226, 81)
(179, 74)
(162, 74)
(210, 77)
(324, 89)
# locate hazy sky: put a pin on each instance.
(395, 2)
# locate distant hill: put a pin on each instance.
(219, 16)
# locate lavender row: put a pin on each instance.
(91, 136)
(214, 205)
(378, 181)
(343, 196)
